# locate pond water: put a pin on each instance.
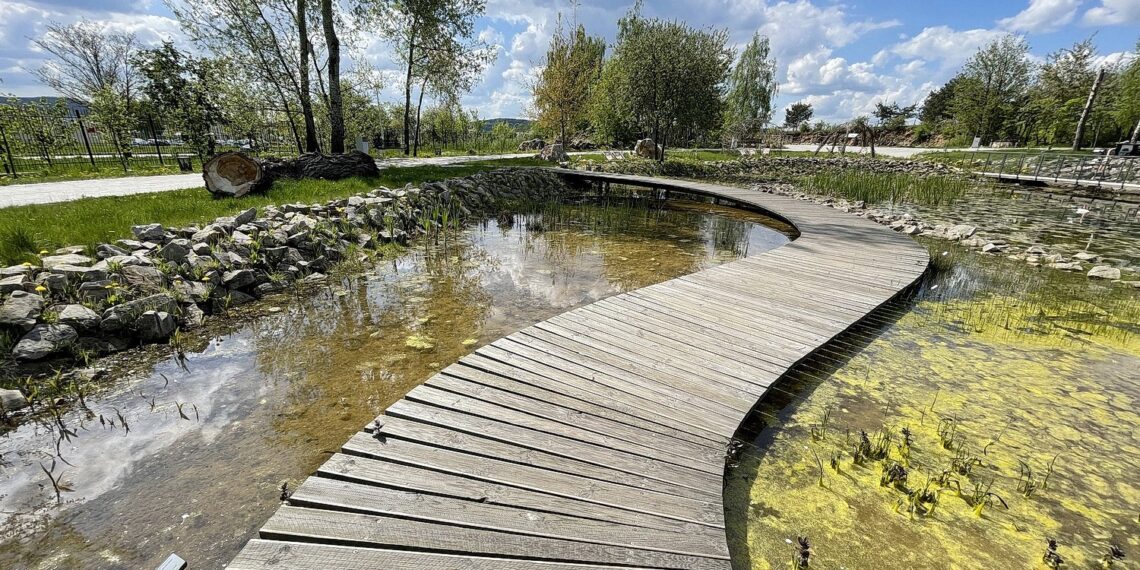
(212, 436)
(999, 374)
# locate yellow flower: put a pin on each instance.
(43, 252)
(26, 264)
(206, 278)
(40, 288)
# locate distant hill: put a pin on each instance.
(516, 124)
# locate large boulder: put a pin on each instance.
(646, 149)
(554, 153)
(532, 144)
(21, 310)
(1104, 272)
(43, 340)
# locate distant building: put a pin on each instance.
(73, 105)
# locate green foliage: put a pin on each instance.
(992, 87)
(572, 66)
(113, 113)
(39, 129)
(183, 89)
(877, 188)
(665, 78)
(893, 116)
(751, 89)
(798, 115)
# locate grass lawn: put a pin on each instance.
(25, 230)
(85, 172)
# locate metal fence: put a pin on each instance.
(35, 140)
(1111, 172)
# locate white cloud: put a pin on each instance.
(942, 44)
(1042, 16)
(1114, 13)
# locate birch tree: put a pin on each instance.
(571, 67)
(751, 89)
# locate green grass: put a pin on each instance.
(86, 172)
(28, 229)
(879, 188)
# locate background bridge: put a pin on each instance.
(594, 439)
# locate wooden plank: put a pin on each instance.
(413, 478)
(708, 513)
(355, 529)
(320, 492)
(261, 554)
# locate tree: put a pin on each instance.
(87, 60)
(184, 90)
(669, 76)
(798, 114)
(751, 88)
(113, 114)
(336, 104)
(936, 106)
(312, 144)
(572, 66)
(424, 33)
(994, 82)
(1061, 89)
(39, 128)
(893, 116)
(1126, 108)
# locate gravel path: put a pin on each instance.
(49, 192)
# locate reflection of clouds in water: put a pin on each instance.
(101, 457)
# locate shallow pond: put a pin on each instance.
(994, 370)
(212, 437)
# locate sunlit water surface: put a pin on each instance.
(210, 442)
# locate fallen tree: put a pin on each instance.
(236, 174)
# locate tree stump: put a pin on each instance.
(236, 174)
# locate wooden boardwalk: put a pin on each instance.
(595, 439)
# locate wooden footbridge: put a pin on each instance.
(595, 439)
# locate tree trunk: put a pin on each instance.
(408, 91)
(419, 107)
(336, 110)
(235, 174)
(1135, 133)
(1077, 138)
(311, 142)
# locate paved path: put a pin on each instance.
(595, 439)
(49, 192)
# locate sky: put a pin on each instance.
(842, 57)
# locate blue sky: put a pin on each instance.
(843, 57)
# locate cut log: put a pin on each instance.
(236, 174)
(233, 174)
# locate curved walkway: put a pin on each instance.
(594, 439)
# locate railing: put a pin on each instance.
(1111, 172)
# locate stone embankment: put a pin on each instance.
(81, 301)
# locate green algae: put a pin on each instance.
(1027, 367)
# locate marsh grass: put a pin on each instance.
(887, 188)
(90, 221)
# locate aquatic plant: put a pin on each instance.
(947, 431)
(1115, 554)
(981, 497)
(892, 188)
(801, 554)
(894, 475)
(1052, 558)
(1027, 483)
(819, 432)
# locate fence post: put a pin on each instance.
(86, 141)
(1036, 171)
(8, 150)
(986, 167)
(1060, 165)
(1020, 163)
(1080, 170)
(154, 133)
(1001, 168)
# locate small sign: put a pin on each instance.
(977, 143)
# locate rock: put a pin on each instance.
(80, 273)
(14, 270)
(246, 216)
(1085, 256)
(192, 316)
(532, 144)
(1104, 272)
(993, 248)
(70, 249)
(52, 261)
(233, 299)
(101, 345)
(1133, 284)
(21, 310)
(175, 251)
(202, 249)
(646, 149)
(1071, 266)
(12, 400)
(106, 250)
(209, 234)
(192, 290)
(145, 279)
(124, 316)
(149, 232)
(79, 317)
(13, 283)
(553, 153)
(94, 291)
(961, 231)
(239, 279)
(155, 325)
(1035, 250)
(44, 340)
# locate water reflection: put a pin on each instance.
(212, 437)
